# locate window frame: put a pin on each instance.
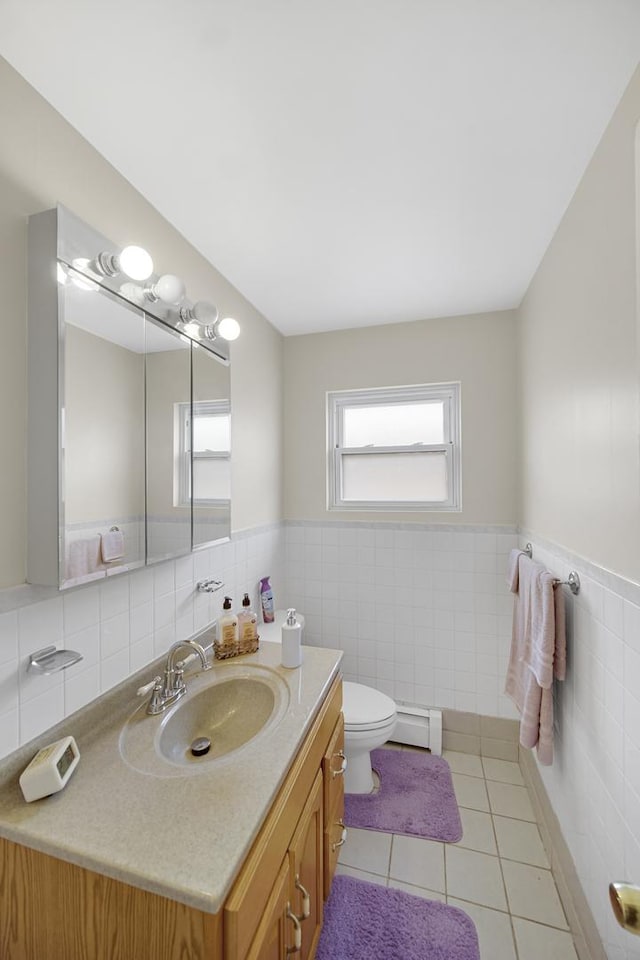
(446, 393)
(186, 455)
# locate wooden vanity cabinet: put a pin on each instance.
(333, 767)
(56, 910)
(258, 919)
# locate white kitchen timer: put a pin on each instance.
(50, 769)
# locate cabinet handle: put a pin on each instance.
(306, 900)
(343, 838)
(343, 765)
(297, 932)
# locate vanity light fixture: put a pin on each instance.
(133, 261)
(201, 322)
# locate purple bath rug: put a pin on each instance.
(416, 798)
(363, 921)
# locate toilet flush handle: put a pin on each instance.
(343, 766)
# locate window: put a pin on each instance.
(395, 448)
(209, 469)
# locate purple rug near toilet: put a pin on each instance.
(364, 921)
(416, 797)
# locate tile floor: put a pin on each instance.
(498, 873)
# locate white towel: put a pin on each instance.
(112, 546)
(538, 652)
(83, 557)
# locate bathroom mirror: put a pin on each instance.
(102, 360)
(128, 415)
(168, 379)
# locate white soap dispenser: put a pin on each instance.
(291, 646)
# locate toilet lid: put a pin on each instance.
(364, 706)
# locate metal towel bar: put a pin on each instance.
(572, 581)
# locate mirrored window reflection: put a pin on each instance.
(210, 448)
(103, 435)
(168, 389)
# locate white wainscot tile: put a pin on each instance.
(614, 613)
(81, 689)
(114, 635)
(9, 686)
(141, 587)
(9, 636)
(40, 625)
(114, 597)
(41, 713)
(81, 609)
(114, 669)
(164, 579)
(632, 625)
(9, 732)
(87, 643)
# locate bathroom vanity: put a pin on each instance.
(228, 861)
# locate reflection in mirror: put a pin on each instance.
(168, 387)
(102, 471)
(211, 448)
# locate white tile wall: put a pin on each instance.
(422, 611)
(119, 625)
(594, 782)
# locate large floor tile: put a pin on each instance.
(463, 763)
(475, 877)
(494, 930)
(535, 941)
(417, 861)
(416, 891)
(532, 894)
(343, 870)
(470, 792)
(508, 800)
(367, 850)
(519, 840)
(477, 831)
(503, 771)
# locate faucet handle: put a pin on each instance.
(148, 687)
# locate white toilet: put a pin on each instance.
(369, 721)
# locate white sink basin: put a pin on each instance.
(232, 709)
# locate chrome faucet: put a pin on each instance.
(169, 688)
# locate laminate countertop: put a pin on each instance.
(152, 824)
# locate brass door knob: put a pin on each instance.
(625, 901)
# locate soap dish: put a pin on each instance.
(50, 660)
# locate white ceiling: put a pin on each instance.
(348, 162)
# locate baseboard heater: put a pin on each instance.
(418, 727)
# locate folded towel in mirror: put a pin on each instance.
(112, 546)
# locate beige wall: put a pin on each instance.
(578, 365)
(480, 351)
(44, 161)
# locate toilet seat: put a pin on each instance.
(365, 708)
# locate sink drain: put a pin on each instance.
(201, 746)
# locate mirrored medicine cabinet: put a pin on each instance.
(128, 420)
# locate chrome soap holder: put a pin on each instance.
(51, 660)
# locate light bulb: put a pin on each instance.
(204, 312)
(168, 288)
(136, 263)
(228, 328)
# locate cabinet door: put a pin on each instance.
(333, 766)
(273, 936)
(306, 870)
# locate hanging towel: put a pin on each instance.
(538, 653)
(112, 546)
(83, 557)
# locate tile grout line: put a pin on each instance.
(504, 885)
